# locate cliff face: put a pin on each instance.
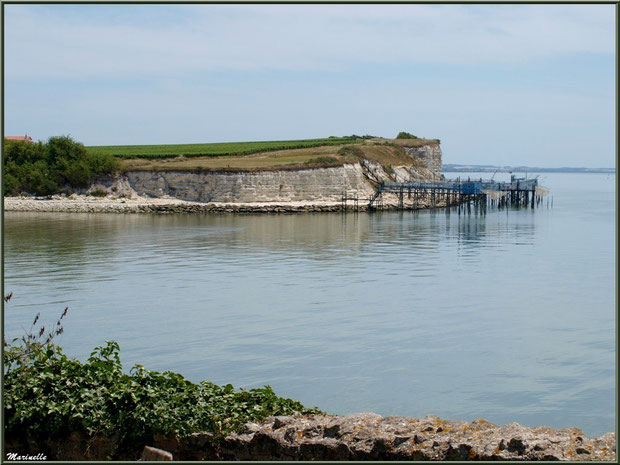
(323, 184)
(294, 189)
(242, 180)
(429, 154)
(295, 185)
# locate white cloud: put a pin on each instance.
(58, 41)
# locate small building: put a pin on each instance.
(25, 138)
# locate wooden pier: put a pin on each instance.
(465, 195)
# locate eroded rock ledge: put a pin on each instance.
(371, 437)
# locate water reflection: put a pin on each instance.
(398, 312)
(59, 237)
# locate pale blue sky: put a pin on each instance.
(498, 84)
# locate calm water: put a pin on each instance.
(507, 317)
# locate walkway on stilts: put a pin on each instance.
(479, 194)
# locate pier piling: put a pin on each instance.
(465, 196)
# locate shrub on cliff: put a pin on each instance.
(356, 137)
(405, 135)
(45, 168)
(325, 161)
(48, 395)
(351, 150)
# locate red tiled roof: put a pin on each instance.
(25, 138)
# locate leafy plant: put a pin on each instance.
(97, 193)
(48, 395)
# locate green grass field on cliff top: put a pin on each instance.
(214, 149)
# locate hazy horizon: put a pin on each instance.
(526, 85)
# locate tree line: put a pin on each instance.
(57, 166)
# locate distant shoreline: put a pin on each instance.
(456, 168)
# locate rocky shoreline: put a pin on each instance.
(364, 436)
(369, 436)
(166, 205)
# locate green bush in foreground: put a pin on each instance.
(48, 395)
(48, 168)
(405, 135)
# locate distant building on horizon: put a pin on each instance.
(25, 138)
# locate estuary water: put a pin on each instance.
(508, 316)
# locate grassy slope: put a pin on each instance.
(382, 151)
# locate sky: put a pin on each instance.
(497, 84)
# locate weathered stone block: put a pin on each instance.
(154, 454)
